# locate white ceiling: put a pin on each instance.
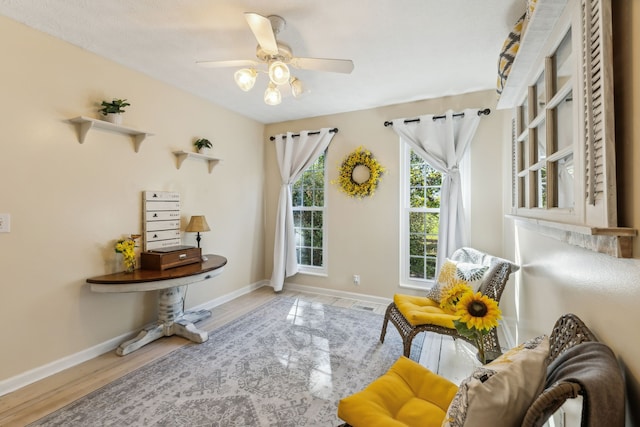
(403, 50)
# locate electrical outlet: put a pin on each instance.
(5, 222)
(356, 279)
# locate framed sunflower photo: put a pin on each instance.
(359, 174)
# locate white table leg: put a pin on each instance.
(172, 320)
(147, 335)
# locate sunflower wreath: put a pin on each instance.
(359, 188)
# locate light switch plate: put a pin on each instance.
(5, 222)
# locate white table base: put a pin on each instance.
(172, 320)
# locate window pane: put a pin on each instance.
(296, 218)
(564, 113)
(525, 114)
(433, 197)
(305, 256)
(521, 192)
(296, 196)
(317, 258)
(542, 187)
(306, 218)
(541, 96)
(565, 181)
(522, 155)
(319, 198)
(416, 268)
(417, 244)
(417, 197)
(541, 140)
(564, 61)
(317, 238)
(317, 219)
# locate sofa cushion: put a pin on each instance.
(407, 395)
(423, 310)
(503, 389)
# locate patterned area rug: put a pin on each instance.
(287, 363)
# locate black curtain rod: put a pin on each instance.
(334, 130)
(484, 112)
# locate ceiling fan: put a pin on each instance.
(277, 56)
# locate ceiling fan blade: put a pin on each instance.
(323, 64)
(224, 64)
(263, 32)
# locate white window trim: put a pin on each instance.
(324, 270)
(405, 280)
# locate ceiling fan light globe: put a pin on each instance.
(272, 95)
(296, 87)
(245, 78)
(279, 73)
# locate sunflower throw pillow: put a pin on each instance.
(453, 273)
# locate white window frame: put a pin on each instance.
(406, 281)
(308, 269)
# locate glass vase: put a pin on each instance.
(129, 264)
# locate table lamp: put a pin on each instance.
(197, 224)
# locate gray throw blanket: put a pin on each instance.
(594, 366)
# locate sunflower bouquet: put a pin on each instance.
(126, 247)
(478, 315)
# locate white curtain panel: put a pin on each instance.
(442, 143)
(294, 155)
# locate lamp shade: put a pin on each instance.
(272, 95)
(245, 78)
(198, 223)
(279, 73)
(296, 87)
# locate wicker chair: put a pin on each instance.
(493, 285)
(567, 332)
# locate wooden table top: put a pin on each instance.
(213, 262)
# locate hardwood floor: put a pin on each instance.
(36, 400)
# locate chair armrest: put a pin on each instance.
(549, 401)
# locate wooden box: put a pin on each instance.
(163, 259)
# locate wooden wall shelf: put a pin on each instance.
(182, 155)
(85, 123)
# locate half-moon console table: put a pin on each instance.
(172, 320)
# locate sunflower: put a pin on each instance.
(478, 311)
(451, 294)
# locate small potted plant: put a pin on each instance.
(113, 110)
(202, 145)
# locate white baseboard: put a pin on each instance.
(21, 380)
(335, 293)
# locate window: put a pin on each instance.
(309, 210)
(563, 153)
(545, 135)
(420, 216)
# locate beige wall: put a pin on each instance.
(364, 234)
(69, 202)
(557, 278)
